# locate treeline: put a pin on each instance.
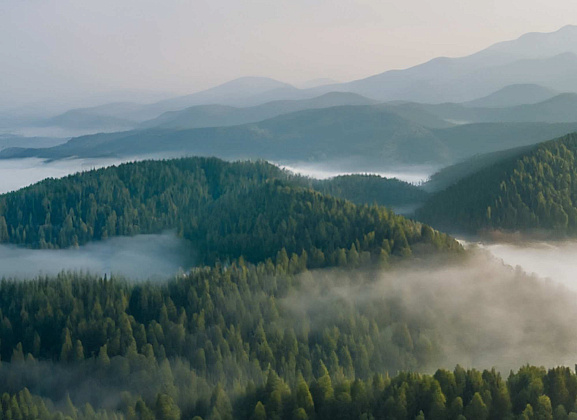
(531, 393)
(227, 210)
(243, 341)
(370, 189)
(536, 191)
(230, 324)
(204, 339)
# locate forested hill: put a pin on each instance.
(368, 189)
(450, 175)
(225, 343)
(534, 191)
(227, 210)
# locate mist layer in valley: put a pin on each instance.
(478, 313)
(19, 173)
(554, 260)
(415, 174)
(141, 257)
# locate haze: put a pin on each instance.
(141, 257)
(96, 51)
(553, 260)
(483, 312)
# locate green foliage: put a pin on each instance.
(535, 191)
(369, 189)
(406, 396)
(227, 322)
(225, 342)
(227, 210)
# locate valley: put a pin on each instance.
(398, 245)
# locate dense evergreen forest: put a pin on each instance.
(536, 191)
(227, 210)
(450, 175)
(369, 189)
(251, 332)
(228, 342)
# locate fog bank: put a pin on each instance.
(139, 257)
(477, 313)
(554, 260)
(411, 174)
(19, 173)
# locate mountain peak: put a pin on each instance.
(251, 82)
(540, 44)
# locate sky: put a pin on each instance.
(70, 49)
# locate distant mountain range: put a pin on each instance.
(223, 115)
(547, 59)
(553, 109)
(86, 119)
(349, 133)
(513, 95)
(530, 69)
(353, 138)
(244, 91)
(560, 108)
(9, 141)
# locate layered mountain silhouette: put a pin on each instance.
(363, 137)
(527, 70)
(223, 115)
(513, 95)
(547, 59)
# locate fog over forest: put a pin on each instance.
(290, 210)
(19, 173)
(484, 312)
(415, 174)
(554, 260)
(141, 257)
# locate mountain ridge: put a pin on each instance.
(532, 192)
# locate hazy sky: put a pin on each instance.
(60, 48)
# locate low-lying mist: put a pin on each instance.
(554, 260)
(20, 173)
(479, 312)
(415, 174)
(475, 311)
(140, 257)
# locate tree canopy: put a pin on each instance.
(531, 192)
(227, 210)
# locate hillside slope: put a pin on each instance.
(468, 140)
(227, 210)
(536, 191)
(558, 109)
(223, 116)
(371, 135)
(452, 174)
(513, 95)
(547, 59)
(369, 189)
(352, 138)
